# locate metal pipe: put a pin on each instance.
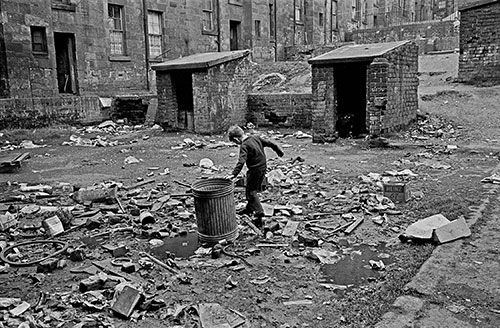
(218, 27)
(146, 40)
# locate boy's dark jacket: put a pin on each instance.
(252, 153)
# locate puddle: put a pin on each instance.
(182, 246)
(354, 269)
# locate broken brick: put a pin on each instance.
(126, 302)
(454, 230)
(48, 265)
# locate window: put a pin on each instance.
(38, 39)
(334, 21)
(155, 34)
(353, 9)
(271, 21)
(365, 12)
(257, 28)
(116, 30)
(208, 16)
(299, 11)
(320, 19)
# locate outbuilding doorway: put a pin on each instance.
(350, 83)
(182, 84)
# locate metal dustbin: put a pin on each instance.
(215, 210)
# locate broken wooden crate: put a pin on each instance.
(397, 191)
(12, 162)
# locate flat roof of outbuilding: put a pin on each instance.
(477, 4)
(356, 52)
(201, 60)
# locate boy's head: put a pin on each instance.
(236, 134)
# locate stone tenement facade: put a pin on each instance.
(479, 61)
(280, 109)
(380, 97)
(203, 95)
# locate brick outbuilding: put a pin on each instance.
(364, 89)
(479, 61)
(204, 93)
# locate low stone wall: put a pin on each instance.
(430, 36)
(280, 109)
(27, 113)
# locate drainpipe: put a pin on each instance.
(325, 12)
(218, 27)
(146, 40)
(294, 23)
(275, 31)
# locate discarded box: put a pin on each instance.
(397, 191)
(53, 226)
(454, 230)
(126, 301)
(7, 221)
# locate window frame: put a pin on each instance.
(334, 23)
(212, 12)
(159, 35)
(114, 31)
(320, 19)
(299, 11)
(43, 40)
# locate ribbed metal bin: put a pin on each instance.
(215, 210)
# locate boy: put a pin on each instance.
(252, 153)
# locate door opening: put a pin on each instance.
(182, 84)
(66, 63)
(234, 34)
(350, 85)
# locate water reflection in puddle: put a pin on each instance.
(354, 268)
(181, 246)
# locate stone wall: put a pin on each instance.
(220, 95)
(479, 61)
(43, 112)
(281, 109)
(324, 116)
(430, 36)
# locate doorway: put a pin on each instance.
(234, 34)
(350, 86)
(182, 85)
(66, 63)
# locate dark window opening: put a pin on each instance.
(257, 28)
(38, 39)
(350, 94)
(234, 34)
(272, 21)
(320, 19)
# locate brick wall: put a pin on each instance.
(479, 61)
(402, 86)
(324, 114)
(288, 109)
(42, 112)
(220, 95)
(430, 36)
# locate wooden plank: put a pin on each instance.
(290, 228)
(354, 226)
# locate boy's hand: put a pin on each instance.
(229, 177)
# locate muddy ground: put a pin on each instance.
(448, 153)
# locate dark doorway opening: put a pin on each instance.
(234, 33)
(182, 84)
(350, 85)
(66, 63)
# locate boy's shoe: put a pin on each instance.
(244, 211)
(258, 221)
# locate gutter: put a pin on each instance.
(146, 41)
